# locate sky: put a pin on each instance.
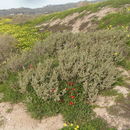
(7, 4)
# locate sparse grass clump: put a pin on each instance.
(10, 90)
(7, 47)
(110, 92)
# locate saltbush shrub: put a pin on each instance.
(89, 59)
(93, 68)
(43, 80)
(58, 41)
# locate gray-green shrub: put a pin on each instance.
(7, 47)
(58, 41)
(43, 80)
(89, 59)
(94, 68)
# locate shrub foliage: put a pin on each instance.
(89, 59)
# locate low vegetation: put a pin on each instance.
(64, 72)
(26, 35)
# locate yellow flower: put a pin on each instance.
(77, 126)
(116, 54)
(71, 124)
(128, 9)
(128, 35)
(65, 124)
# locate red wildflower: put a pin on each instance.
(73, 89)
(71, 103)
(66, 88)
(70, 83)
(72, 97)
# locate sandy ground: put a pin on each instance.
(15, 117)
(106, 102)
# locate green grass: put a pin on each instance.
(71, 113)
(10, 95)
(61, 15)
(122, 21)
(38, 108)
(78, 114)
(120, 81)
(125, 64)
(115, 19)
(117, 3)
(95, 124)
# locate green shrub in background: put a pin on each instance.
(7, 47)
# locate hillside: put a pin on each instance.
(67, 70)
(44, 10)
(85, 18)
